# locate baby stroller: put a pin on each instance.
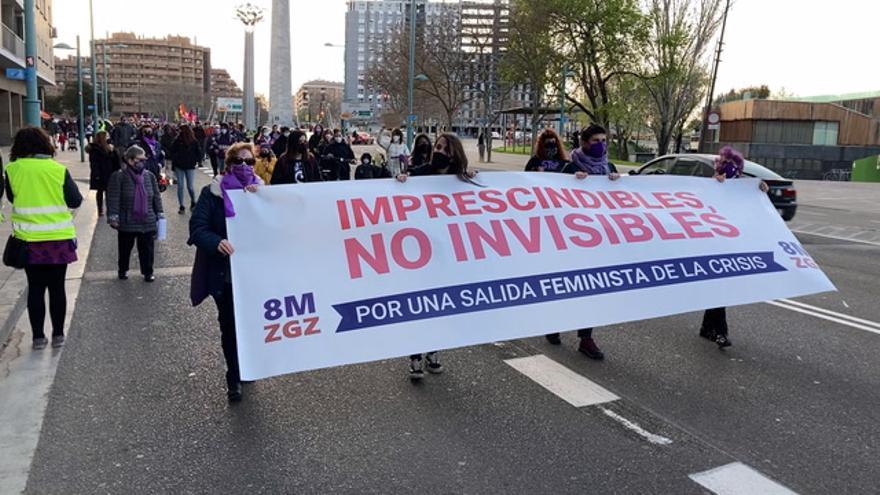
(72, 142)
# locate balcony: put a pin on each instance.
(12, 43)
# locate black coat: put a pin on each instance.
(285, 171)
(102, 164)
(207, 227)
(185, 156)
(371, 172)
(279, 147)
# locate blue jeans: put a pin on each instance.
(190, 176)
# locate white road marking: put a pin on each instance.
(874, 328)
(635, 428)
(565, 383)
(738, 479)
(845, 305)
(836, 237)
(832, 313)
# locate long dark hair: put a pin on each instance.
(458, 161)
(30, 141)
(186, 135)
(294, 146)
(540, 149)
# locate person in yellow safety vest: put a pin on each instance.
(42, 192)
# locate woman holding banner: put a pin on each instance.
(448, 158)
(729, 164)
(590, 159)
(211, 275)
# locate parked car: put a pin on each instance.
(496, 135)
(362, 138)
(782, 192)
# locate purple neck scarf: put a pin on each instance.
(588, 164)
(139, 211)
(236, 177)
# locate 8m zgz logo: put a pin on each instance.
(295, 310)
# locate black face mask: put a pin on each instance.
(551, 151)
(264, 153)
(440, 161)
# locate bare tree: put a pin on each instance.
(676, 72)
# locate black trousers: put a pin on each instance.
(41, 278)
(583, 333)
(226, 317)
(146, 245)
(99, 197)
(715, 320)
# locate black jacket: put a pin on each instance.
(338, 167)
(371, 172)
(102, 163)
(279, 147)
(285, 171)
(185, 156)
(207, 227)
(120, 202)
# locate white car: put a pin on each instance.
(496, 135)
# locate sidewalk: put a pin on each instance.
(13, 284)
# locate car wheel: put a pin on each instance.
(788, 214)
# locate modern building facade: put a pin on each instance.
(319, 101)
(153, 76)
(799, 139)
(12, 56)
(484, 30)
(223, 86)
(65, 74)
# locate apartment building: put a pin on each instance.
(223, 86)
(12, 56)
(484, 28)
(153, 76)
(319, 101)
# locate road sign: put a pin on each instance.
(90, 107)
(714, 118)
(411, 117)
(230, 105)
(357, 110)
(18, 74)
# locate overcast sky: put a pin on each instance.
(810, 47)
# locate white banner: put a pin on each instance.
(327, 274)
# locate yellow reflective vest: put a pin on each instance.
(39, 212)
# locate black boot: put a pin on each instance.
(233, 392)
(707, 333)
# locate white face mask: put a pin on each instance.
(222, 131)
(395, 139)
(338, 139)
(266, 132)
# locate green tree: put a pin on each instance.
(761, 92)
(603, 39)
(531, 57)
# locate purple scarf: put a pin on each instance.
(139, 212)
(588, 164)
(236, 177)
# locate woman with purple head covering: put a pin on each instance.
(729, 164)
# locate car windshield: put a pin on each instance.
(753, 169)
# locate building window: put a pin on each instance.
(825, 133)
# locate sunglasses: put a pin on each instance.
(239, 161)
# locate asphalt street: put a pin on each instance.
(138, 401)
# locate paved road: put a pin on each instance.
(138, 403)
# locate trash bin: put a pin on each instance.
(866, 169)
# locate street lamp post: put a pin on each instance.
(249, 14)
(32, 99)
(411, 74)
(565, 73)
(79, 92)
(106, 84)
(94, 71)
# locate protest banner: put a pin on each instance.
(328, 274)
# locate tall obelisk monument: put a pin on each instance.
(280, 88)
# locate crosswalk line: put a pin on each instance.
(565, 383)
(738, 479)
